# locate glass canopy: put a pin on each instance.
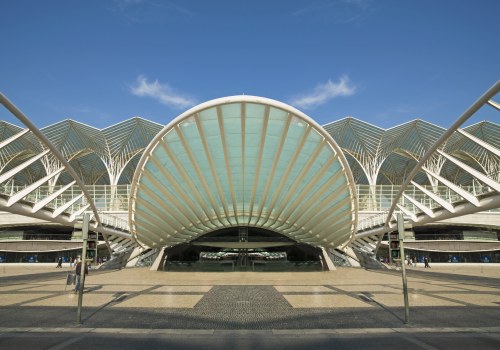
(243, 161)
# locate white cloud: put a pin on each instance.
(362, 4)
(162, 93)
(322, 93)
(148, 11)
(338, 11)
(124, 4)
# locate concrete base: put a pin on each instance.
(159, 261)
(134, 257)
(327, 262)
(351, 256)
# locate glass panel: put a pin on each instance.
(211, 129)
(184, 181)
(254, 124)
(275, 129)
(231, 117)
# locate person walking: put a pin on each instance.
(426, 263)
(78, 271)
(59, 263)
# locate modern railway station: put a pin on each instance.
(246, 183)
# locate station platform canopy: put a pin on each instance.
(243, 161)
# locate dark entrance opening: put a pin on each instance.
(243, 249)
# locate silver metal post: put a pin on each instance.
(85, 235)
(53, 149)
(401, 231)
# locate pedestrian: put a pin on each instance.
(59, 263)
(426, 263)
(78, 271)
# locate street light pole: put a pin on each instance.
(401, 231)
(85, 235)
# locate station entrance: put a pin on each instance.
(243, 249)
(217, 180)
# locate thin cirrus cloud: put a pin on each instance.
(149, 12)
(161, 92)
(323, 93)
(337, 12)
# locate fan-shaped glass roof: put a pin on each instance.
(369, 149)
(243, 161)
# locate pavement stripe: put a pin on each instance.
(64, 344)
(421, 344)
(278, 332)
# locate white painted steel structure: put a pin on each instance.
(425, 205)
(61, 204)
(417, 167)
(243, 161)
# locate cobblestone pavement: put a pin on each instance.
(450, 307)
(342, 299)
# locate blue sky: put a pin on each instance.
(384, 62)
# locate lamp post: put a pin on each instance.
(85, 235)
(401, 231)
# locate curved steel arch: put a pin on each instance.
(487, 96)
(465, 201)
(25, 120)
(13, 203)
(243, 161)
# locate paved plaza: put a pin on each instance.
(449, 304)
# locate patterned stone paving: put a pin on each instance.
(351, 298)
(243, 306)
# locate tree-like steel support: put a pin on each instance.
(117, 237)
(420, 211)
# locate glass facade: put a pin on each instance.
(248, 162)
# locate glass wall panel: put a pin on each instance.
(250, 162)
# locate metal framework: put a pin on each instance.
(243, 161)
(386, 156)
(476, 160)
(58, 172)
(53, 152)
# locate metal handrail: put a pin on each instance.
(484, 99)
(28, 123)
